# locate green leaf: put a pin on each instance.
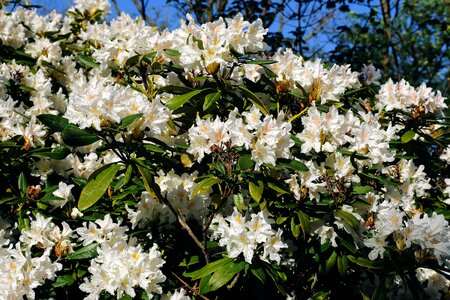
(239, 202)
(85, 252)
(304, 223)
(27, 88)
(363, 262)
(293, 165)
(172, 52)
(349, 218)
(278, 189)
(256, 189)
(57, 153)
(342, 263)
(128, 120)
(254, 99)
(259, 273)
(210, 99)
(224, 274)
(64, 280)
(295, 228)
(147, 179)
(178, 101)
(208, 269)
(55, 123)
(245, 162)
(154, 148)
(74, 136)
(96, 187)
(22, 184)
(204, 185)
(260, 62)
(407, 136)
(380, 179)
(331, 261)
(362, 190)
(88, 61)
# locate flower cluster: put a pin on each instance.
(268, 139)
(144, 155)
(245, 236)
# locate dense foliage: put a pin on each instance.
(189, 163)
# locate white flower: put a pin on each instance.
(272, 247)
(326, 233)
(75, 214)
(64, 192)
(378, 243)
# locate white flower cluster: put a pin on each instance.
(312, 76)
(202, 45)
(119, 269)
(329, 131)
(268, 139)
(23, 270)
(178, 190)
(403, 96)
(98, 102)
(241, 236)
(121, 264)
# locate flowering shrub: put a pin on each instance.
(189, 163)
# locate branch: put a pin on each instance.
(140, 6)
(116, 7)
(385, 9)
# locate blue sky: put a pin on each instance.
(156, 8)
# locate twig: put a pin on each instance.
(192, 289)
(116, 7)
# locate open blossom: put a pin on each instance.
(241, 236)
(64, 192)
(271, 136)
(22, 272)
(119, 271)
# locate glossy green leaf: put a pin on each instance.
(362, 190)
(208, 269)
(256, 189)
(239, 203)
(304, 223)
(293, 165)
(258, 271)
(342, 263)
(223, 275)
(204, 185)
(254, 99)
(260, 62)
(154, 148)
(331, 261)
(85, 252)
(245, 162)
(295, 228)
(349, 218)
(172, 52)
(74, 136)
(363, 262)
(178, 101)
(88, 61)
(128, 120)
(57, 153)
(407, 136)
(55, 123)
(22, 184)
(210, 99)
(96, 187)
(64, 280)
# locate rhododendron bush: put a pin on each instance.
(138, 163)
